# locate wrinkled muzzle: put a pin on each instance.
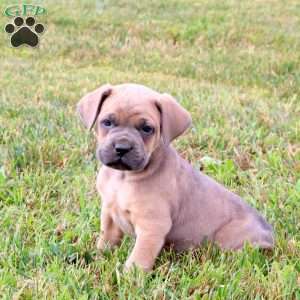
(123, 151)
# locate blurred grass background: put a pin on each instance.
(233, 64)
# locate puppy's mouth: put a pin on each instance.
(119, 165)
(128, 162)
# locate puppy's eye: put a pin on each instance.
(107, 123)
(146, 129)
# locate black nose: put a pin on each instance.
(122, 148)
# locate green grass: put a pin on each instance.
(235, 65)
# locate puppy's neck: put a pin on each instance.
(156, 163)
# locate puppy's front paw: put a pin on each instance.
(103, 245)
(130, 264)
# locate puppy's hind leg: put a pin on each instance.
(237, 232)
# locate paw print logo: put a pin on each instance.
(24, 33)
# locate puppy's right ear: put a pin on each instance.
(90, 105)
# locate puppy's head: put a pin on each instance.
(130, 122)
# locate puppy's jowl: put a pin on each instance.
(148, 190)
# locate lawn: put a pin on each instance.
(235, 65)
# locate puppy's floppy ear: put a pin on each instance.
(90, 105)
(174, 118)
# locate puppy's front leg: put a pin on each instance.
(111, 235)
(147, 246)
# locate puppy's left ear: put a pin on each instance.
(90, 105)
(174, 118)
